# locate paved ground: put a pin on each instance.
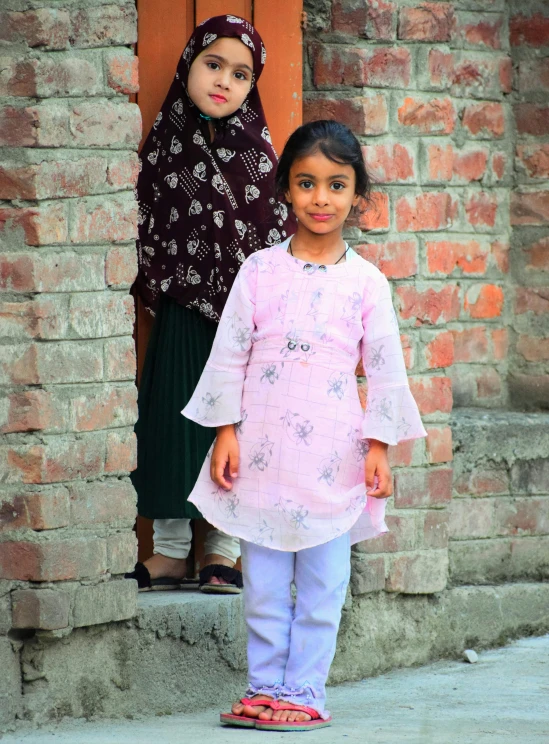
(503, 699)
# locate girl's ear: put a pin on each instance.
(287, 196)
(356, 199)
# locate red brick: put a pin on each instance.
(532, 118)
(122, 71)
(420, 573)
(500, 254)
(397, 260)
(428, 211)
(506, 75)
(529, 30)
(64, 362)
(120, 359)
(534, 76)
(471, 518)
(435, 529)
(105, 124)
(102, 220)
(489, 383)
(482, 31)
(534, 159)
(481, 482)
(484, 119)
(538, 255)
(401, 536)
(500, 344)
(56, 560)
(49, 76)
(407, 350)
(470, 166)
(42, 125)
(530, 208)
(370, 19)
(121, 452)
(533, 348)
(42, 609)
(121, 552)
(532, 299)
(432, 394)
(368, 574)
(373, 214)
(122, 172)
(32, 410)
(444, 256)
(440, 162)
(481, 209)
(44, 509)
(389, 163)
(365, 116)
(439, 350)
(402, 454)
(104, 409)
(52, 179)
(471, 345)
(121, 266)
(441, 68)
(484, 301)
(483, 78)
(439, 444)
(436, 116)
(110, 502)
(522, 516)
(106, 314)
(43, 27)
(446, 163)
(499, 162)
(104, 25)
(430, 306)
(59, 460)
(427, 22)
(58, 272)
(40, 225)
(379, 67)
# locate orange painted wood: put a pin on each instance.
(208, 8)
(281, 83)
(163, 27)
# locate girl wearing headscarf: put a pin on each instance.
(206, 202)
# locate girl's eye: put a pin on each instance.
(306, 184)
(338, 186)
(240, 76)
(213, 65)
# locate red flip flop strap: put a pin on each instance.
(261, 701)
(276, 705)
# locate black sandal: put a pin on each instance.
(232, 576)
(162, 584)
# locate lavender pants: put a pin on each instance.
(291, 645)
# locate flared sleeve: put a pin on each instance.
(217, 398)
(392, 414)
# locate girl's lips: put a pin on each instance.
(321, 217)
(219, 99)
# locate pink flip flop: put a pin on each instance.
(316, 721)
(230, 719)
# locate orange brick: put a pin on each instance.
(397, 260)
(436, 116)
(430, 306)
(500, 344)
(471, 345)
(432, 394)
(484, 301)
(444, 256)
(439, 351)
(484, 119)
(427, 211)
(373, 215)
(439, 444)
(481, 209)
(389, 163)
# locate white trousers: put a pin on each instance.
(172, 538)
(291, 645)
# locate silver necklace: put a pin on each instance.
(323, 265)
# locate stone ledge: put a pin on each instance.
(186, 651)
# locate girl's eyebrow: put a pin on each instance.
(226, 62)
(309, 175)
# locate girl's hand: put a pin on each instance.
(377, 466)
(225, 452)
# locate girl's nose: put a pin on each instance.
(321, 197)
(224, 80)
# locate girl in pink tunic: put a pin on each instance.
(298, 471)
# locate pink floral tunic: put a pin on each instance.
(282, 369)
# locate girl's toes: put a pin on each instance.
(292, 717)
(266, 715)
(237, 709)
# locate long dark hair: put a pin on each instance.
(335, 141)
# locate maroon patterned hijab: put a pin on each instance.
(204, 207)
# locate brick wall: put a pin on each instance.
(68, 165)
(529, 36)
(434, 90)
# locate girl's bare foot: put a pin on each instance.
(219, 560)
(251, 711)
(269, 714)
(159, 565)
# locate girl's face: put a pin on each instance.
(220, 78)
(321, 193)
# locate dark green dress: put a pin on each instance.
(170, 448)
